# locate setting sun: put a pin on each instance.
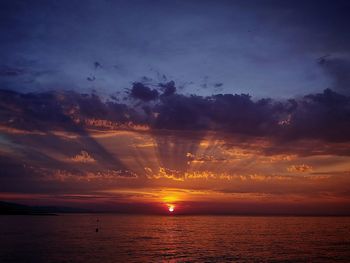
(171, 208)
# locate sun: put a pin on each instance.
(171, 208)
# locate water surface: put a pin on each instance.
(135, 238)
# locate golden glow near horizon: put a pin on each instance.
(170, 170)
(170, 198)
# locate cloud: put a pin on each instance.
(89, 176)
(321, 116)
(204, 158)
(302, 168)
(69, 111)
(165, 173)
(82, 157)
(168, 88)
(142, 92)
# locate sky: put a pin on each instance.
(237, 107)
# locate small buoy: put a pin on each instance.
(97, 224)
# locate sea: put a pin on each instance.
(151, 238)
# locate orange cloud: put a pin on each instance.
(302, 168)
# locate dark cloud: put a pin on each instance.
(218, 85)
(321, 116)
(324, 116)
(68, 111)
(97, 65)
(168, 88)
(142, 92)
(180, 112)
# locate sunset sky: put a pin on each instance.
(237, 107)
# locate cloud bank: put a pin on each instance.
(324, 116)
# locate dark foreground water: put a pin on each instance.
(135, 238)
